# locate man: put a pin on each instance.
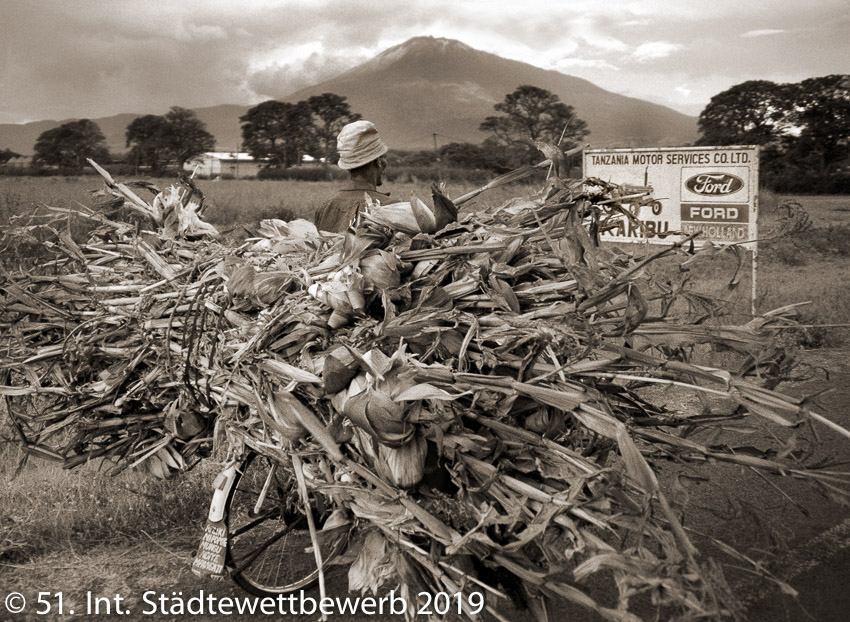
(362, 154)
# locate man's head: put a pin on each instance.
(361, 151)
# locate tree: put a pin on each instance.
(756, 112)
(70, 144)
(8, 154)
(804, 127)
(150, 137)
(823, 116)
(330, 114)
(466, 155)
(187, 135)
(178, 135)
(532, 114)
(278, 131)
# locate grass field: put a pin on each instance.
(46, 506)
(230, 201)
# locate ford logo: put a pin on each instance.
(714, 183)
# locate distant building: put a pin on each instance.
(224, 163)
(18, 163)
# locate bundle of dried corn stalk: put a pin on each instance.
(474, 397)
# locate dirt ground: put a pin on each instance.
(812, 552)
(803, 536)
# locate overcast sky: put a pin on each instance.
(90, 58)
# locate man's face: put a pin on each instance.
(380, 165)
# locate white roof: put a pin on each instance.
(229, 155)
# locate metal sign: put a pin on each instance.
(210, 558)
(710, 190)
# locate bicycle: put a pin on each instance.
(267, 547)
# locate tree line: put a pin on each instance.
(803, 129)
(280, 133)
(153, 141)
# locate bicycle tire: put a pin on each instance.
(270, 553)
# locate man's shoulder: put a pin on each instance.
(340, 209)
(347, 196)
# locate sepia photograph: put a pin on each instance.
(424, 311)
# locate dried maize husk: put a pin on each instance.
(338, 369)
(404, 466)
(282, 406)
(381, 269)
(270, 286)
(411, 217)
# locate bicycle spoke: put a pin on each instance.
(249, 559)
(273, 513)
(271, 553)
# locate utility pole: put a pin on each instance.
(437, 156)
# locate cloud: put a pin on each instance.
(593, 32)
(94, 58)
(654, 50)
(584, 63)
(206, 32)
(91, 58)
(763, 33)
(280, 79)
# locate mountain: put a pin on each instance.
(429, 86)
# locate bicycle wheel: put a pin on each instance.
(269, 549)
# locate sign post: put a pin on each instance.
(712, 191)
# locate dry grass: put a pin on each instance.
(802, 267)
(24, 195)
(231, 200)
(46, 507)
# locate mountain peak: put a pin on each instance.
(416, 49)
(427, 44)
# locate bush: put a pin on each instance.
(768, 201)
(413, 174)
(124, 171)
(394, 174)
(451, 174)
(785, 251)
(396, 158)
(304, 173)
(832, 240)
(793, 181)
(121, 171)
